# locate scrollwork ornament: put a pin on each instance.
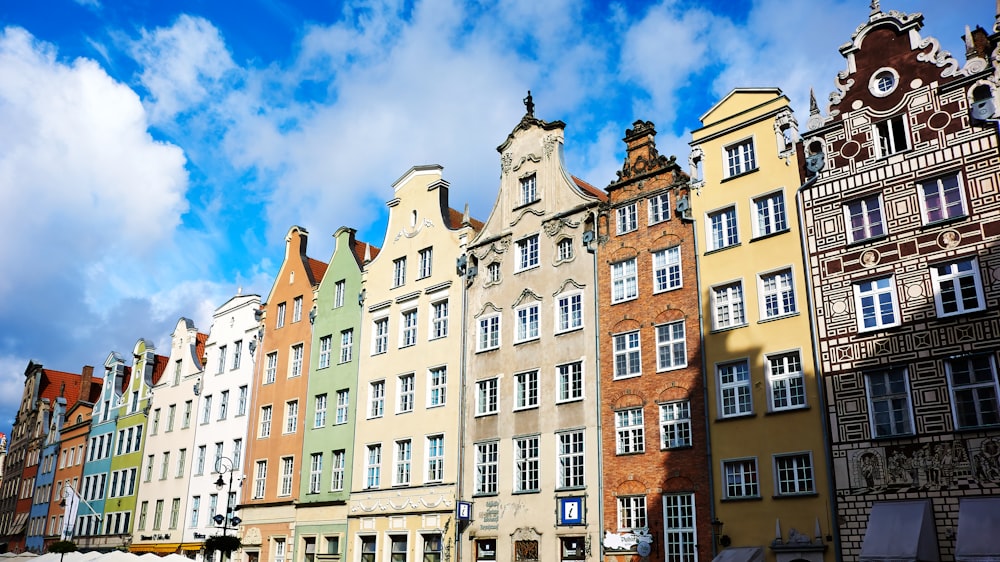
(506, 161)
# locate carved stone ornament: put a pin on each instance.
(410, 233)
(870, 258)
(555, 226)
(402, 503)
(252, 536)
(526, 211)
(499, 246)
(506, 160)
(524, 159)
(941, 59)
(644, 165)
(549, 145)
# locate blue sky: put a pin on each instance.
(154, 154)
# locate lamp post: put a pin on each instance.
(228, 521)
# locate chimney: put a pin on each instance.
(86, 377)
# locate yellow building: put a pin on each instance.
(770, 477)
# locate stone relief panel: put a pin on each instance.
(962, 464)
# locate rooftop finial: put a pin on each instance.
(529, 105)
(813, 106)
(875, 7)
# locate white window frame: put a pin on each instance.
(337, 464)
(291, 416)
(373, 466)
(259, 479)
(770, 215)
(794, 474)
(722, 229)
(870, 220)
(295, 361)
(626, 218)
(786, 387)
(406, 386)
(346, 345)
(627, 348)
(279, 322)
(571, 459)
(527, 323)
(569, 312)
(439, 319)
(437, 386)
(680, 530)
(671, 346)
(570, 380)
(564, 249)
(287, 474)
(973, 393)
(735, 389)
(339, 289)
(675, 424)
(398, 272)
(296, 309)
(740, 478)
(271, 371)
(526, 253)
(266, 413)
(776, 294)
(434, 446)
(950, 279)
(376, 399)
(728, 306)
(624, 281)
(529, 189)
(739, 157)
(889, 402)
(631, 513)
(488, 333)
(325, 344)
(526, 390)
(884, 135)
(408, 328)
(937, 189)
(487, 466)
(315, 472)
(630, 431)
(343, 405)
(402, 462)
(425, 263)
(876, 293)
(526, 463)
(488, 396)
(380, 335)
(667, 272)
(658, 208)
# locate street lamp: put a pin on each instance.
(225, 465)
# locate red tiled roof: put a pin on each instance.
(61, 383)
(199, 347)
(455, 220)
(317, 269)
(587, 188)
(159, 367)
(127, 379)
(96, 386)
(360, 248)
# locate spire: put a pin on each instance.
(813, 106)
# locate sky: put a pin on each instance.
(153, 154)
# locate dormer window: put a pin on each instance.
(529, 190)
(891, 137)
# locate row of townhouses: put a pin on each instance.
(787, 353)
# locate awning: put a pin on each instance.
(155, 547)
(188, 546)
(901, 531)
(741, 554)
(978, 522)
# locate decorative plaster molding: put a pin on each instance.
(554, 226)
(416, 230)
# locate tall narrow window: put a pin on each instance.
(373, 466)
(486, 467)
(529, 189)
(722, 229)
(437, 386)
(527, 252)
(740, 158)
(675, 424)
(380, 336)
(628, 218)
(259, 479)
(769, 214)
(319, 419)
(280, 320)
(291, 416)
(570, 310)
(777, 294)
(527, 323)
(398, 272)
(435, 458)
(624, 283)
(287, 472)
(338, 293)
(659, 208)
(272, 367)
(889, 402)
(526, 390)
(297, 309)
(671, 346)
(631, 513)
(627, 357)
(526, 464)
(486, 397)
(864, 218)
(295, 369)
(786, 382)
(346, 345)
(629, 432)
(404, 385)
(325, 343)
(426, 258)
(439, 319)
(942, 198)
(376, 399)
(343, 401)
(727, 306)
(315, 472)
(403, 456)
(679, 528)
(408, 329)
(265, 421)
(570, 381)
(667, 269)
(337, 471)
(734, 389)
(974, 391)
(489, 333)
(571, 460)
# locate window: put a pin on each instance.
(164, 468)
(659, 208)
(571, 459)
(150, 459)
(570, 381)
(679, 531)
(404, 402)
(338, 293)
(376, 399)
(237, 451)
(624, 283)
(206, 413)
(199, 467)
(864, 218)
(889, 402)
(373, 466)
(486, 467)
(291, 416)
(143, 508)
(722, 229)
(195, 508)
(777, 296)
(259, 479)
(627, 357)
(942, 199)
(181, 461)
(217, 465)
(527, 323)
(740, 158)
(526, 464)
(769, 214)
(727, 306)
(158, 515)
(398, 272)
(564, 249)
(237, 352)
(380, 342)
(486, 397)
(279, 550)
(346, 345)
(287, 471)
(343, 401)
(667, 270)
(741, 479)
(486, 550)
(171, 412)
(435, 458)
(439, 319)
(221, 367)
(265, 422)
(186, 419)
(671, 346)
(297, 309)
(675, 424)
(241, 408)
(337, 471)
(629, 432)
(734, 388)
(786, 384)
(527, 252)
(432, 547)
(890, 136)
(973, 384)
(526, 385)
(296, 367)
(493, 273)
(367, 549)
(408, 333)
(154, 427)
(529, 189)
(437, 382)
(175, 511)
(325, 343)
(402, 457)
(631, 513)
(425, 263)
(272, 367)
(958, 288)
(875, 302)
(628, 219)
(280, 320)
(315, 472)
(570, 310)
(223, 404)
(320, 416)
(793, 474)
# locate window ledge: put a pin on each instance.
(529, 268)
(485, 495)
(518, 493)
(677, 448)
(794, 496)
(976, 428)
(868, 240)
(531, 340)
(570, 488)
(626, 377)
(525, 408)
(941, 222)
(569, 331)
(787, 410)
(614, 302)
(746, 499)
(630, 454)
(528, 204)
(771, 235)
(487, 350)
(486, 414)
(779, 317)
(737, 327)
(739, 175)
(722, 249)
(736, 417)
(669, 369)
